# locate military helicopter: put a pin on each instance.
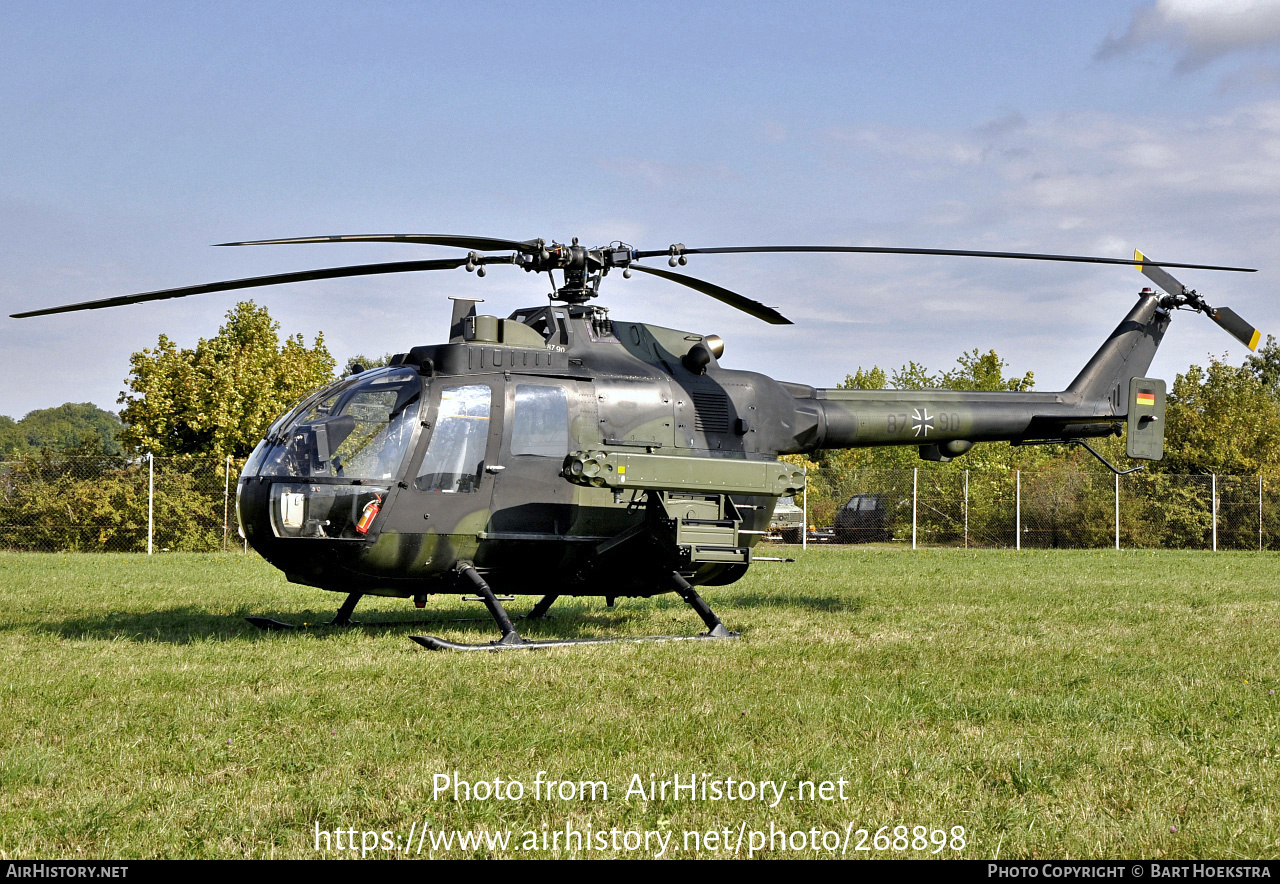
(559, 452)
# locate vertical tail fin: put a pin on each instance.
(1127, 353)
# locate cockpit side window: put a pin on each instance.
(455, 454)
(540, 425)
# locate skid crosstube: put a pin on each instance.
(267, 624)
(343, 618)
(512, 640)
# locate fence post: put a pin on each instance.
(966, 509)
(915, 493)
(1214, 493)
(804, 529)
(151, 498)
(1017, 523)
(226, 502)
(1259, 512)
(1117, 511)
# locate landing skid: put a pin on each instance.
(343, 618)
(512, 640)
(431, 643)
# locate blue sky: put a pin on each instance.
(138, 134)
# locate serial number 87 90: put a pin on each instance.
(900, 839)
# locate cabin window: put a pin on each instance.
(541, 422)
(455, 454)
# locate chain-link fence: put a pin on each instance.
(1050, 509)
(112, 504)
(50, 503)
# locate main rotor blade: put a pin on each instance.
(1164, 280)
(253, 282)
(957, 253)
(1235, 326)
(733, 299)
(478, 243)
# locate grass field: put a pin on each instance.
(1054, 704)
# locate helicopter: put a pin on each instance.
(560, 452)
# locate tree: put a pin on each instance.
(365, 363)
(983, 371)
(1223, 419)
(219, 398)
(1265, 365)
(78, 425)
(11, 438)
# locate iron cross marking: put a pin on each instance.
(921, 422)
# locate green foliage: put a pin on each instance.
(97, 502)
(365, 362)
(1223, 419)
(220, 397)
(983, 371)
(862, 379)
(49, 501)
(1265, 365)
(69, 426)
(912, 376)
(11, 438)
(974, 371)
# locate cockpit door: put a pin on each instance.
(452, 481)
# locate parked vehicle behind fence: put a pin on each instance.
(787, 521)
(864, 519)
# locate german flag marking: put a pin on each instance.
(1146, 398)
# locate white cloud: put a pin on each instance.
(1198, 31)
(1091, 162)
(1201, 189)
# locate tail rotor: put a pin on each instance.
(1230, 321)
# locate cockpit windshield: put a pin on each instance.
(360, 428)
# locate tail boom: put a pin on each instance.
(947, 423)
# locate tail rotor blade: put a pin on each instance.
(1225, 317)
(1235, 326)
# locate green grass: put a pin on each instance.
(1055, 704)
